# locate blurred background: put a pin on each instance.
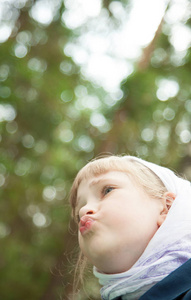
(79, 78)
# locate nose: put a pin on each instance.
(87, 210)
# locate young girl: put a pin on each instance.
(134, 220)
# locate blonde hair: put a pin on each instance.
(139, 173)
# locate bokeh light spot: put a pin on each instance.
(23, 166)
(39, 219)
(28, 141)
(4, 230)
(4, 72)
(5, 32)
(20, 50)
(38, 65)
(85, 143)
(147, 134)
(12, 127)
(66, 96)
(2, 179)
(167, 88)
(185, 136)
(7, 112)
(49, 193)
(169, 114)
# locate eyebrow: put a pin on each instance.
(96, 181)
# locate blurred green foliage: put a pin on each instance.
(53, 120)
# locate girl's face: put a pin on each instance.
(118, 219)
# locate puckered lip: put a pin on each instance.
(85, 224)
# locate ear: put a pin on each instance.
(167, 201)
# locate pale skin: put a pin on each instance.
(118, 219)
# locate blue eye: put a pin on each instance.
(107, 190)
